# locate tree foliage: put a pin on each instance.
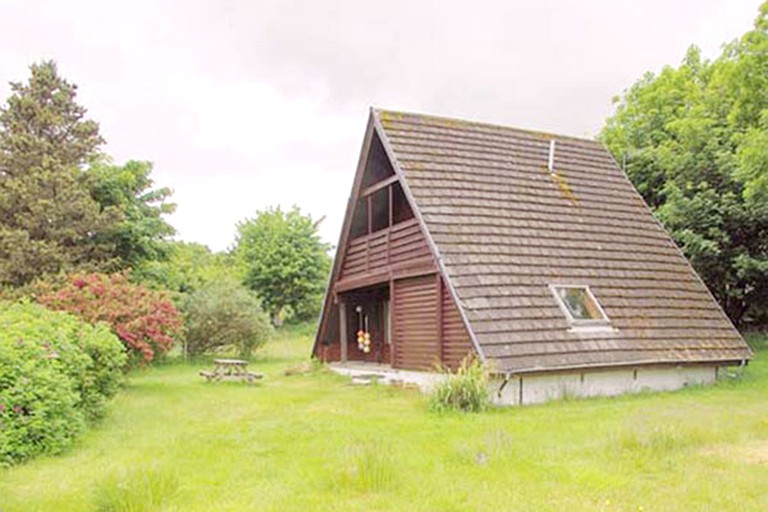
(694, 141)
(284, 261)
(224, 314)
(188, 267)
(146, 321)
(140, 234)
(64, 206)
(47, 217)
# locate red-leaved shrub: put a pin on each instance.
(146, 321)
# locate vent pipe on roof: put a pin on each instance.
(551, 165)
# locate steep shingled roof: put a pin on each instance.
(505, 228)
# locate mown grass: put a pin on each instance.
(314, 442)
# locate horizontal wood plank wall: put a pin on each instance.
(378, 251)
(456, 341)
(414, 323)
(329, 353)
(327, 348)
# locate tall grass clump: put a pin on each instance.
(370, 467)
(466, 389)
(135, 491)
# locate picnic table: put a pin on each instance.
(231, 369)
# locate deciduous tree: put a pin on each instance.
(141, 233)
(284, 260)
(694, 141)
(189, 267)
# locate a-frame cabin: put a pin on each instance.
(386, 280)
(530, 250)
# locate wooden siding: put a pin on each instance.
(456, 344)
(328, 353)
(415, 323)
(385, 249)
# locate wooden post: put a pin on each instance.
(370, 214)
(440, 349)
(392, 326)
(343, 330)
(391, 221)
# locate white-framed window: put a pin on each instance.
(580, 306)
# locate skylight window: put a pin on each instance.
(579, 305)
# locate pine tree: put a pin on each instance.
(48, 220)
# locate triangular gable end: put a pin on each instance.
(377, 176)
(450, 289)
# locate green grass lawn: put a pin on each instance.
(173, 442)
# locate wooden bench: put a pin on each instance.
(209, 376)
(253, 376)
(231, 369)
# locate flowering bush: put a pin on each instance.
(146, 321)
(56, 374)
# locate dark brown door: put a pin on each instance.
(414, 323)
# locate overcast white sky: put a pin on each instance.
(243, 104)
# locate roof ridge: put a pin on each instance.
(380, 113)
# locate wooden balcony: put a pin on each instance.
(379, 255)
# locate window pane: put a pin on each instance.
(380, 210)
(401, 210)
(359, 219)
(579, 303)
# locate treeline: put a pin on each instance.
(694, 141)
(67, 208)
(92, 284)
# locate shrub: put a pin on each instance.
(463, 390)
(56, 373)
(104, 375)
(146, 321)
(225, 315)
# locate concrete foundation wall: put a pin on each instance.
(533, 389)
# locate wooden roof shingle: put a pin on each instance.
(504, 228)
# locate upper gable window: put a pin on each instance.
(579, 305)
(377, 167)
